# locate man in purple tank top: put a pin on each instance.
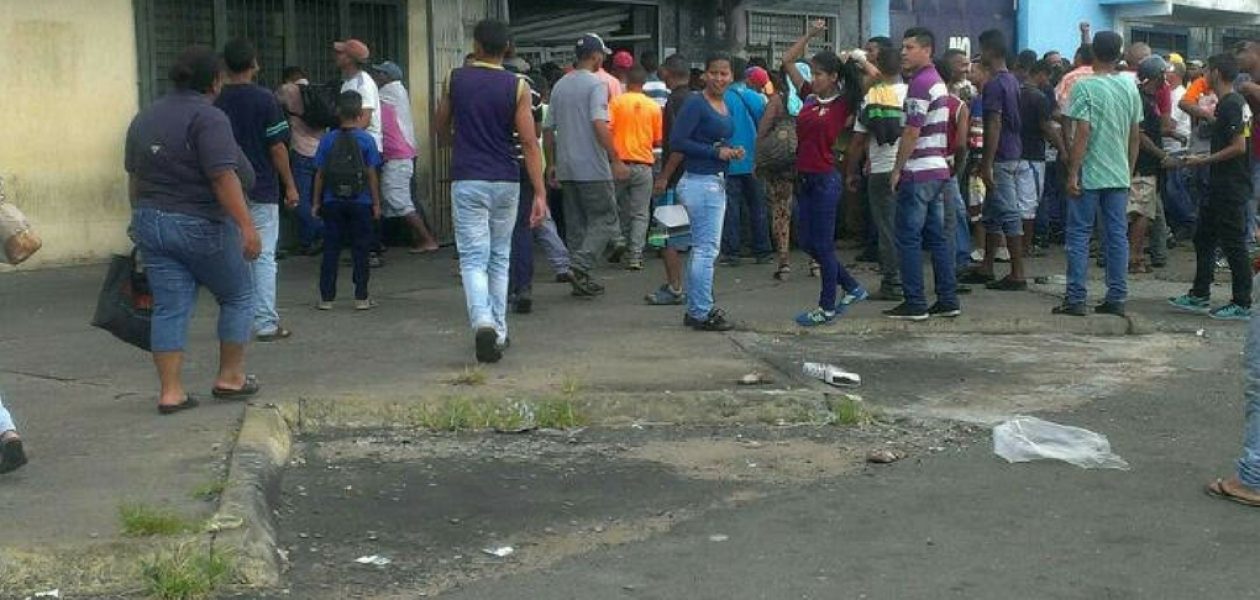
(483, 107)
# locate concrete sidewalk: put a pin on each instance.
(85, 402)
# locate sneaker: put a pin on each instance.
(765, 259)
(690, 321)
(716, 321)
(977, 255)
(524, 305)
(1006, 284)
(1110, 308)
(976, 277)
(365, 304)
(1194, 304)
(868, 256)
(853, 297)
(903, 312)
(1222, 264)
(942, 310)
(815, 317)
(1074, 310)
(324, 305)
(375, 261)
(12, 456)
(1231, 312)
(487, 341)
(565, 277)
(583, 287)
(664, 296)
(1002, 255)
(634, 264)
(730, 261)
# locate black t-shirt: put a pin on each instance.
(1229, 125)
(1034, 109)
(1148, 163)
(677, 98)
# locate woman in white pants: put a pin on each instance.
(11, 454)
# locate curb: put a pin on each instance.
(244, 525)
(967, 325)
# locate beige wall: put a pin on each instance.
(70, 91)
(419, 79)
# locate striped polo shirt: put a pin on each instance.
(927, 107)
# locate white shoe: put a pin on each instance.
(324, 306)
(977, 255)
(368, 304)
(831, 374)
(1003, 254)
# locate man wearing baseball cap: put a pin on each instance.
(583, 162)
(398, 131)
(615, 86)
(351, 57)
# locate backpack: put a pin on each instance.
(319, 104)
(776, 150)
(345, 172)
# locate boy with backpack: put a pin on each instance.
(347, 197)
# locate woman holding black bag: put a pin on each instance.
(191, 225)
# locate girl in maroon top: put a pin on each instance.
(828, 111)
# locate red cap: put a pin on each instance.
(622, 60)
(757, 77)
(354, 49)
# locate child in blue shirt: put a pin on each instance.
(347, 196)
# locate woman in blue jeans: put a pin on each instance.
(699, 141)
(830, 97)
(192, 226)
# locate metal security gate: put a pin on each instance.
(286, 32)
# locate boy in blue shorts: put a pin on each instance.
(676, 73)
(347, 196)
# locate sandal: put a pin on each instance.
(246, 391)
(1217, 489)
(814, 268)
(1139, 268)
(170, 409)
(783, 272)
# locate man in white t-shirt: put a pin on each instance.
(879, 121)
(351, 57)
(1179, 209)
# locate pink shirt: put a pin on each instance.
(614, 84)
(395, 143)
(304, 139)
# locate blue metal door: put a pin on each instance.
(956, 23)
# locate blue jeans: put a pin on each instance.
(957, 224)
(704, 197)
(745, 199)
(182, 252)
(1179, 207)
(1050, 213)
(1110, 204)
(920, 218)
(6, 420)
(818, 197)
(521, 271)
(548, 238)
(485, 216)
(310, 228)
(1249, 463)
(1002, 207)
(345, 222)
(267, 221)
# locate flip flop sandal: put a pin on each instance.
(1217, 489)
(248, 390)
(783, 272)
(12, 455)
(170, 409)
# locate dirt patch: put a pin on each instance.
(777, 461)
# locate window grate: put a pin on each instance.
(771, 34)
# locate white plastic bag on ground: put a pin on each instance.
(1025, 439)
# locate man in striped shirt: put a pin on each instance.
(920, 177)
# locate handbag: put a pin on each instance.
(125, 304)
(776, 150)
(19, 240)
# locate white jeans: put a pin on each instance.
(485, 215)
(267, 221)
(396, 188)
(6, 420)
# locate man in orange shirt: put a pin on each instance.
(637, 129)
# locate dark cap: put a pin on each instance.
(1153, 67)
(590, 44)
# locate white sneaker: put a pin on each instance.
(368, 304)
(977, 255)
(831, 374)
(1003, 254)
(324, 306)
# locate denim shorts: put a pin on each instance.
(1001, 206)
(1030, 182)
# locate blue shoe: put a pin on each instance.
(853, 297)
(816, 317)
(663, 296)
(1231, 312)
(1193, 304)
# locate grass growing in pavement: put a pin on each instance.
(558, 414)
(185, 572)
(466, 414)
(139, 520)
(472, 376)
(851, 411)
(571, 385)
(209, 490)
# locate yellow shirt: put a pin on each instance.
(637, 127)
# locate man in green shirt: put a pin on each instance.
(1107, 111)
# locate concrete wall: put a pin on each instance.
(419, 79)
(1045, 25)
(70, 91)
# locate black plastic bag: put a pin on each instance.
(125, 305)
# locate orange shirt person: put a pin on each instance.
(637, 124)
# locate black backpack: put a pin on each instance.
(319, 103)
(345, 173)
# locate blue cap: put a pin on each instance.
(589, 44)
(389, 69)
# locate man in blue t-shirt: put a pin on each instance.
(262, 132)
(745, 196)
